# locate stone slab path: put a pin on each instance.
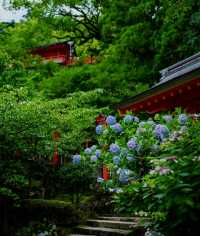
(110, 226)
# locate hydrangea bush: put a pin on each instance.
(154, 167)
(127, 143)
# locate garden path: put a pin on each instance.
(110, 226)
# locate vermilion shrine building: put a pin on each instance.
(62, 53)
(179, 86)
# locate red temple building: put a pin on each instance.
(179, 86)
(62, 53)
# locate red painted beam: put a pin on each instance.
(184, 95)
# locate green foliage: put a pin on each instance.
(151, 170)
(132, 41)
(172, 196)
(28, 125)
(38, 228)
(77, 180)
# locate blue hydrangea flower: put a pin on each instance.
(114, 148)
(136, 119)
(124, 152)
(98, 153)
(111, 120)
(99, 129)
(128, 119)
(100, 180)
(116, 160)
(130, 158)
(182, 119)
(142, 124)
(88, 151)
(93, 147)
(161, 132)
(123, 176)
(93, 158)
(167, 118)
(132, 144)
(117, 128)
(76, 159)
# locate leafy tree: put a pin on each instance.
(26, 143)
(78, 20)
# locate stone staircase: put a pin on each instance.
(110, 226)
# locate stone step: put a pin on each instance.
(112, 224)
(101, 231)
(119, 218)
(81, 235)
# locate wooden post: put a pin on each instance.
(106, 173)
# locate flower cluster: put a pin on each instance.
(167, 118)
(123, 144)
(161, 132)
(132, 144)
(99, 129)
(117, 128)
(111, 120)
(123, 175)
(128, 119)
(182, 119)
(116, 160)
(161, 170)
(76, 159)
(114, 148)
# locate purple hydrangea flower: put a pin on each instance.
(117, 128)
(111, 120)
(98, 153)
(132, 144)
(164, 171)
(136, 119)
(128, 119)
(114, 148)
(88, 151)
(93, 158)
(161, 132)
(167, 118)
(182, 119)
(76, 159)
(130, 158)
(161, 171)
(99, 129)
(116, 160)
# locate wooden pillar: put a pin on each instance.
(106, 173)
